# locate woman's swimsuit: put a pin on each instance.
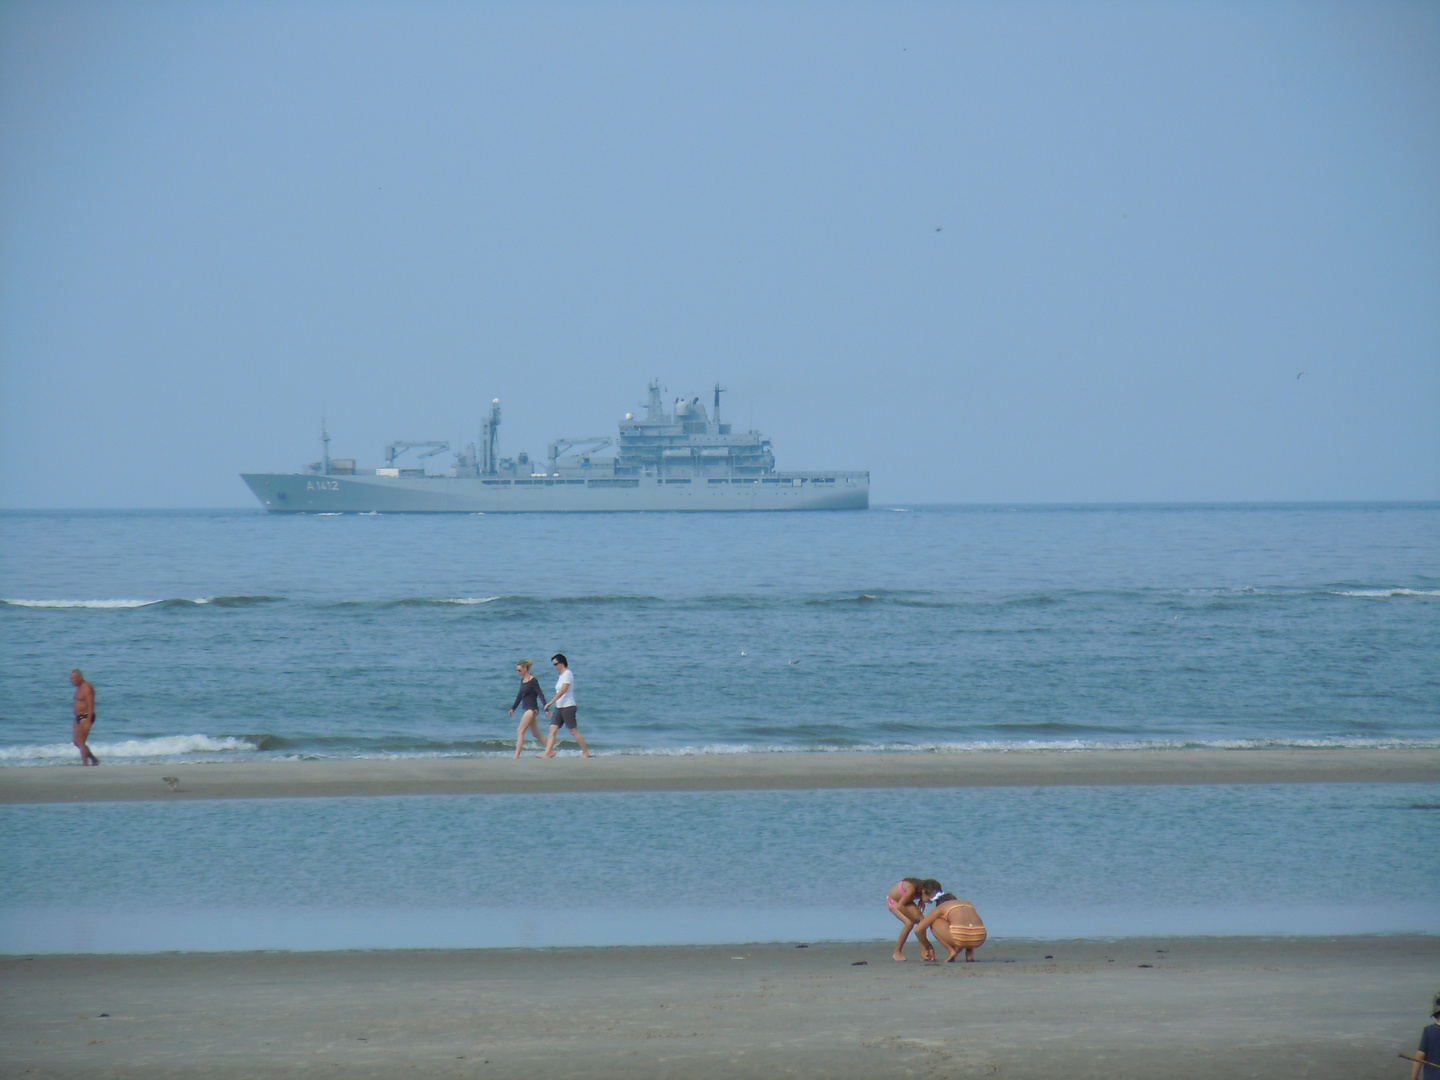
(965, 936)
(529, 694)
(890, 901)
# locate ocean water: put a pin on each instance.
(221, 635)
(230, 635)
(648, 868)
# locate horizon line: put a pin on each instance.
(1037, 504)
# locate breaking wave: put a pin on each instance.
(1381, 593)
(1188, 597)
(79, 603)
(463, 601)
(164, 746)
(273, 747)
(1028, 745)
(103, 605)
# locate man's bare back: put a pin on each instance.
(84, 716)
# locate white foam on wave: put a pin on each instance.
(194, 747)
(1381, 593)
(1054, 745)
(79, 603)
(164, 746)
(469, 600)
(102, 604)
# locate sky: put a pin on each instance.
(1021, 252)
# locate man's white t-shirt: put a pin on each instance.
(565, 687)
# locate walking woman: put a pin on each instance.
(529, 696)
(564, 703)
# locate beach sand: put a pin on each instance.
(715, 772)
(1204, 1007)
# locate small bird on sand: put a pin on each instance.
(172, 782)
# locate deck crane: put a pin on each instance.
(395, 449)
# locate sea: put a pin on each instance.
(237, 635)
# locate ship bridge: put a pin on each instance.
(686, 441)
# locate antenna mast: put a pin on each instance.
(325, 441)
(490, 441)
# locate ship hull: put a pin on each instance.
(301, 493)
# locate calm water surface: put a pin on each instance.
(714, 866)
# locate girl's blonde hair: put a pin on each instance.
(524, 663)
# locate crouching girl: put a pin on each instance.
(906, 900)
(956, 925)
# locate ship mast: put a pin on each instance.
(655, 407)
(490, 441)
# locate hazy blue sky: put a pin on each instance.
(220, 220)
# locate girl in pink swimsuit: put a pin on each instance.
(906, 901)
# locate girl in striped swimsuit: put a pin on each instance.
(956, 925)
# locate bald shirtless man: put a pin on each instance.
(84, 715)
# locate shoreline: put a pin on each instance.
(1214, 1008)
(529, 775)
(998, 949)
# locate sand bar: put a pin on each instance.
(720, 772)
(1203, 1007)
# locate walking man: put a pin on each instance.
(84, 716)
(564, 703)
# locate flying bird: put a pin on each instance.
(1301, 373)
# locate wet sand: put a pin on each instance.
(448, 776)
(1203, 1007)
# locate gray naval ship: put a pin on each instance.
(680, 459)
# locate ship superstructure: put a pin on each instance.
(681, 458)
